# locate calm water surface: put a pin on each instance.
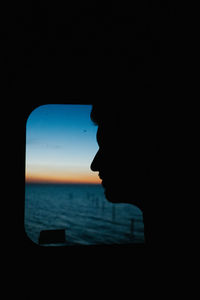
(83, 212)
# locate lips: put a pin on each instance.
(100, 176)
(104, 181)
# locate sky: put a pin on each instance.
(60, 144)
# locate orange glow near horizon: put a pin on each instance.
(32, 179)
(62, 177)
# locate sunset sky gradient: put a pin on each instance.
(60, 145)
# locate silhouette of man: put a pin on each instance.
(135, 134)
(131, 160)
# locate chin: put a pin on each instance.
(112, 197)
(122, 196)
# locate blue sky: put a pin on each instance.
(60, 143)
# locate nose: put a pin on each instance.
(95, 163)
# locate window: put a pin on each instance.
(64, 200)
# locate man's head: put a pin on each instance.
(129, 155)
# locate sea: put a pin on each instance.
(83, 213)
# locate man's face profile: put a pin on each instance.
(121, 161)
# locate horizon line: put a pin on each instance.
(81, 180)
(62, 183)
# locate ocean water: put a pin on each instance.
(83, 212)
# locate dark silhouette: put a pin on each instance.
(133, 160)
(136, 114)
(55, 236)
